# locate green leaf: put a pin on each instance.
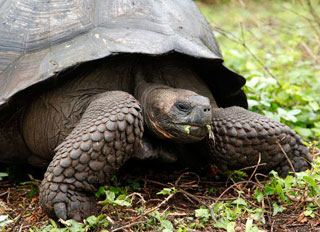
(53, 223)
(123, 203)
(202, 213)
(156, 214)
(277, 208)
(252, 103)
(100, 191)
(110, 196)
(187, 129)
(314, 105)
(309, 213)
(240, 201)
(167, 191)
(258, 195)
(121, 200)
(92, 220)
(224, 224)
(303, 131)
(2, 174)
(76, 226)
(4, 220)
(167, 225)
(231, 227)
(312, 183)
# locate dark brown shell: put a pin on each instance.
(39, 39)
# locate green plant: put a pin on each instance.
(165, 225)
(4, 221)
(34, 190)
(167, 191)
(92, 223)
(115, 197)
(2, 175)
(279, 62)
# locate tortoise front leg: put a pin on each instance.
(240, 137)
(106, 136)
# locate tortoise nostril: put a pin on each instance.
(206, 109)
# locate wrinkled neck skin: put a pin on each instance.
(143, 93)
(171, 109)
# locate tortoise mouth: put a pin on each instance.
(193, 131)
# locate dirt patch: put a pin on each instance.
(23, 209)
(21, 203)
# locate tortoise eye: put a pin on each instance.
(183, 106)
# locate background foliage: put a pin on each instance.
(275, 45)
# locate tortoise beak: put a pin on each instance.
(201, 114)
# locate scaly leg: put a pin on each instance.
(240, 137)
(106, 136)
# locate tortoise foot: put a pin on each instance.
(245, 139)
(58, 201)
(297, 159)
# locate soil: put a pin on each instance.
(21, 201)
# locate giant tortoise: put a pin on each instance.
(87, 84)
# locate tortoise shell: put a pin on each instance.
(40, 39)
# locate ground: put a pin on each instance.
(182, 204)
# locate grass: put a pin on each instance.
(275, 45)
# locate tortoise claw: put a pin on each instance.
(71, 204)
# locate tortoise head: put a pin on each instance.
(177, 114)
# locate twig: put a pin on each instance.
(232, 186)
(128, 225)
(305, 199)
(179, 214)
(313, 13)
(267, 197)
(18, 219)
(201, 202)
(187, 195)
(272, 224)
(136, 194)
(154, 208)
(254, 171)
(187, 173)
(243, 43)
(251, 167)
(4, 193)
(289, 161)
(188, 198)
(110, 220)
(35, 181)
(310, 53)
(8, 196)
(309, 20)
(158, 183)
(223, 199)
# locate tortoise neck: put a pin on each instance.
(143, 92)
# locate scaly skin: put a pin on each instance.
(106, 136)
(97, 136)
(240, 136)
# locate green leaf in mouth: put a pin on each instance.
(187, 128)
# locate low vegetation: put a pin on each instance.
(275, 45)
